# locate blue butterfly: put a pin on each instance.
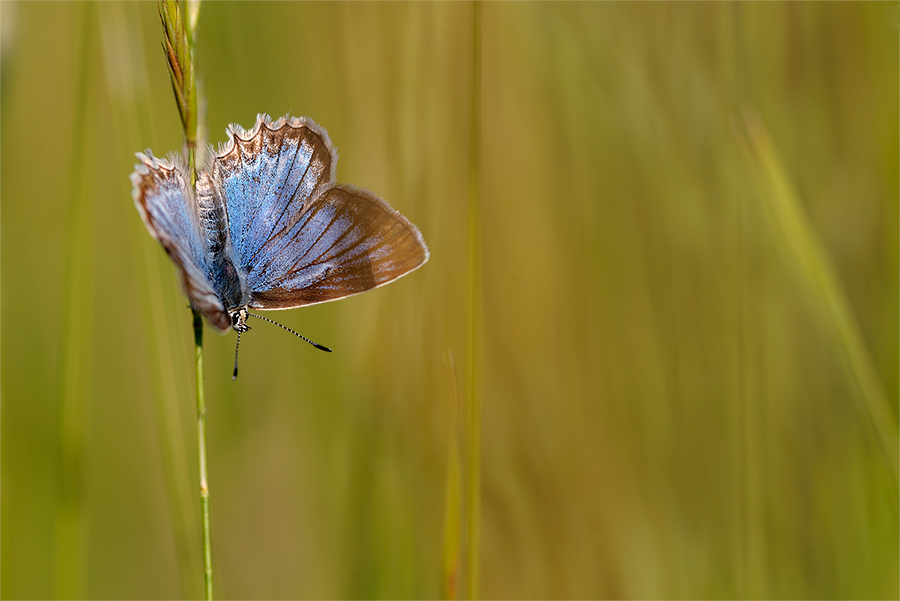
(268, 227)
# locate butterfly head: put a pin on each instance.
(239, 320)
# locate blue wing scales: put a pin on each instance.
(301, 239)
(267, 176)
(347, 241)
(163, 200)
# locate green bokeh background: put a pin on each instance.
(687, 273)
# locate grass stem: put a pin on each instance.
(201, 443)
(178, 44)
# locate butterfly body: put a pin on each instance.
(268, 228)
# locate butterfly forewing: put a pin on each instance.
(347, 241)
(162, 197)
(267, 176)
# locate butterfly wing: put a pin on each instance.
(299, 238)
(162, 197)
(268, 175)
(347, 241)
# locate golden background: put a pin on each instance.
(685, 275)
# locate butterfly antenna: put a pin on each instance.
(318, 346)
(236, 347)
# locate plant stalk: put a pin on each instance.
(178, 45)
(201, 443)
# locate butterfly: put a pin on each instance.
(267, 227)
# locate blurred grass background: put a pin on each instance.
(689, 327)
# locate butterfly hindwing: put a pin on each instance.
(347, 241)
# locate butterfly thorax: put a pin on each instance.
(226, 281)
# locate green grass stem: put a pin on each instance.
(201, 443)
(178, 45)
